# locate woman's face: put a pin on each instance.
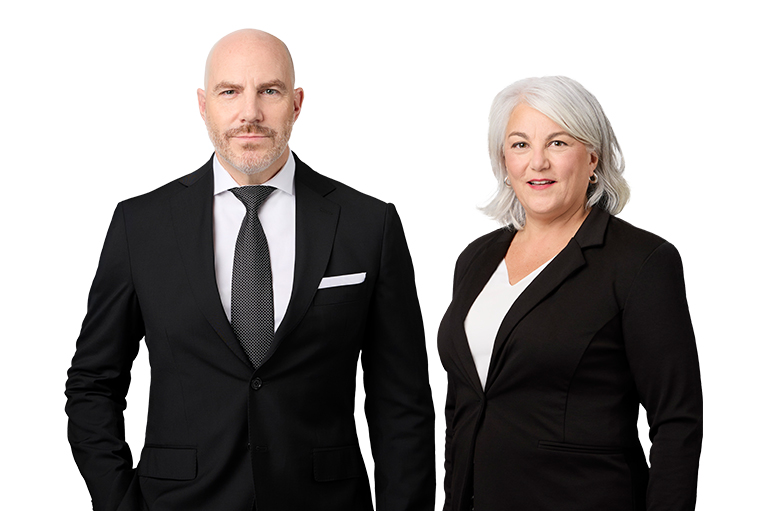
(547, 168)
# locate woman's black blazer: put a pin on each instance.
(603, 328)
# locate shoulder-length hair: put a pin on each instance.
(569, 104)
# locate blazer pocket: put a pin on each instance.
(342, 280)
(174, 463)
(578, 448)
(334, 463)
(339, 294)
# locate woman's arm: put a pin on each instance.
(661, 350)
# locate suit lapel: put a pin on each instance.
(192, 214)
(473, 281)
(567, 262)
(316, 221)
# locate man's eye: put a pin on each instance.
(227, 93)
(270, 92)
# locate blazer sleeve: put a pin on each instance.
(398, 403)
(99, 377)
(660, 346)
(449, 414)
(458, 273)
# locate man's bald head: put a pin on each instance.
(244, 42)
(249, 104)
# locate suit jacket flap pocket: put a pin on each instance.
(176, 463)
(335, 463)
(578, 448)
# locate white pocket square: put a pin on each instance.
(342, 280)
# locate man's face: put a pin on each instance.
(249, 106)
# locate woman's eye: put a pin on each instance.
(519, 145)
(558, 143)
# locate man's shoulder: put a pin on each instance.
(160, 196)
(334, 190)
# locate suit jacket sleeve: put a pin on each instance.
(398, 403)
(660, 345)
(100, 374)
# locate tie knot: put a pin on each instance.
(252, 196)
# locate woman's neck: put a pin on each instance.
(564, 226)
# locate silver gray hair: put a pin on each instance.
(569, 104)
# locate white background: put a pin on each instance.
(99, 104)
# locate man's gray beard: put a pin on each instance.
(244, 164)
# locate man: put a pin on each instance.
(254, 302)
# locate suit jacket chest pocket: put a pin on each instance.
(340, 294)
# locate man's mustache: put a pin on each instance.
(251, 128)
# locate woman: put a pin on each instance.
(561, 324)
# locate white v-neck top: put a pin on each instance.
(486, 314)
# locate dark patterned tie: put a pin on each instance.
(252, 296)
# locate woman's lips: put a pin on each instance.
(540, 184)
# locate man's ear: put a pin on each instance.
(298, 101)
(201, 102)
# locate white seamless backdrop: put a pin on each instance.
(99, 105)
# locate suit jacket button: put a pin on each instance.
(256, 383)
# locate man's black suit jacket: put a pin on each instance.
(603, 327)
(221, 436)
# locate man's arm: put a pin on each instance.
(100, 374)
(398, 403)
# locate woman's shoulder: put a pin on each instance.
(498, 235)
(480, 245)
(631, 250)
(625, 236)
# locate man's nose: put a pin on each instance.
(251, 109)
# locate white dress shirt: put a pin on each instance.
(487, 313)
(278, 218)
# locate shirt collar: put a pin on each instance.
(282, 180)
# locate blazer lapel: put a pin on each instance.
(192, 214)
(316, 221)
(568, 261)
(473, 281)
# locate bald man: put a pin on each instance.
(256, 284)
